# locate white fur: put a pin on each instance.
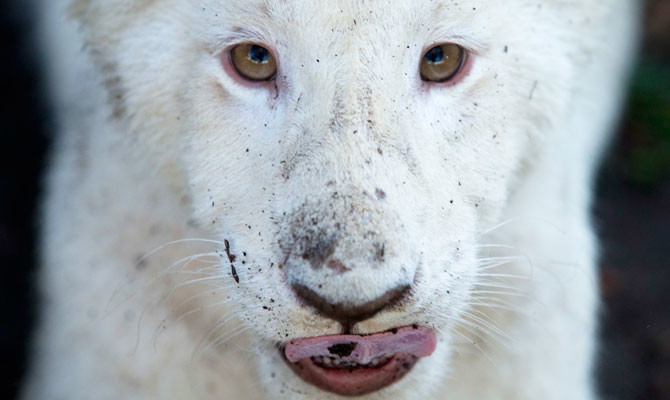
(487, 187)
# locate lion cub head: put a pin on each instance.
(347, 154)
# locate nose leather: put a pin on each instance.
(351, 314)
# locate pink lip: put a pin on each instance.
(354, 367)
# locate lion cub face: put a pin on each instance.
(349, 154)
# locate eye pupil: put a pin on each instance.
(258, 54)
(442, 63)
(253, 62)
(435, 55)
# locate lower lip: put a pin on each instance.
(354, 381)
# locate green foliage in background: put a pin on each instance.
(647, 152)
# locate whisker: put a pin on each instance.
(510, 276)
(500, 292)
(111, 307)
(498, 226)
(471, 341)
(488, 327)
(179, 241)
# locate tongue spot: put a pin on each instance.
(354, 365)
(343, 349)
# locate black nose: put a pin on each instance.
(350, 314)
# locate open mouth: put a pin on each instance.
(354, 365)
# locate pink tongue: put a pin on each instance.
(415, 340)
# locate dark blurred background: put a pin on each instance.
(632, 213)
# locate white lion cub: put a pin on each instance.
(310, 199)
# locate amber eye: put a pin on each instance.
(253, 62)
(442, 63)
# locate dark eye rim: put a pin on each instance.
(463, 67)
(232, 66)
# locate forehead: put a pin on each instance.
(345, 15)
(364, 10)
(337, 25)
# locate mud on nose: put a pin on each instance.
(339, 232)
(327, 247)
(346, 289)
(348, 314)
(344, 257)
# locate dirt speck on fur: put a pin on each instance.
(234, 272)
(231, 257)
